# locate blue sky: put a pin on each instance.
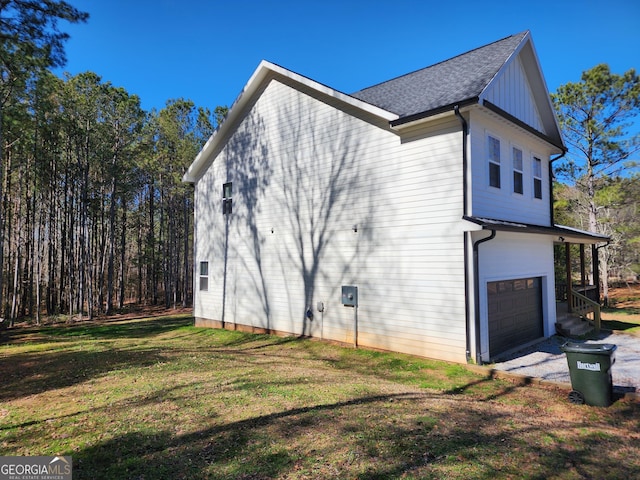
(206, 50)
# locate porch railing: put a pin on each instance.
(590, 291)
(582, 305)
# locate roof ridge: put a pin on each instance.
(521, 34)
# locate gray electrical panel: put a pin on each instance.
(350, 295)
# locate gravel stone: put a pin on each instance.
(546, 361)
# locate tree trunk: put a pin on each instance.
(139, 255)
(112, 247)
(123, 248)
(38, 276)
(3, 172)
(593, 227)
(152, 278)
(186, 264)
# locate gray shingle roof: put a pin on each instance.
(446, 83)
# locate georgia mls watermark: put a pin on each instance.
(36, 468)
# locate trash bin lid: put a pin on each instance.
(592, 348)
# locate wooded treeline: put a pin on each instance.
(94, 211)
(618, 205)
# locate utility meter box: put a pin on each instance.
(350, 295)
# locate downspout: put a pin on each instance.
(465, 134)
(595, 260)
(476, 297)
(552, 221)
(551, 160)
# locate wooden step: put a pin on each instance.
(572, 326)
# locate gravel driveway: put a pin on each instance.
(546, 361)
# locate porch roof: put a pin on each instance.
(562, 233)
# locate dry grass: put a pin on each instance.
(624, 314)
(158, 398)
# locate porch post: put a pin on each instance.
(567, 258)
(596, 270)
(583, 277)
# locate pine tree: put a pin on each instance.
(595, 115)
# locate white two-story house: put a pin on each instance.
(411, 216)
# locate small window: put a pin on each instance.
(227, 202)
(204, 276)
(494, 162)
(517, 171)
(537, 177)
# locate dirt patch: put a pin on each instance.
(623, 313)
(129, 312)
(627, 297)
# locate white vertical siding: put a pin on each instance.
(512, 93)
(304, 174)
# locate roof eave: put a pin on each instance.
(562, 233)
(525, 126)
(429, 114)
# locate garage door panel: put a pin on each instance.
(515, 313)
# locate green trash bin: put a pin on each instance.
(590, 372)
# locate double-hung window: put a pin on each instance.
(494, 161)
(537, 177)
(204, 276)
(517, 170)
(227, 202)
